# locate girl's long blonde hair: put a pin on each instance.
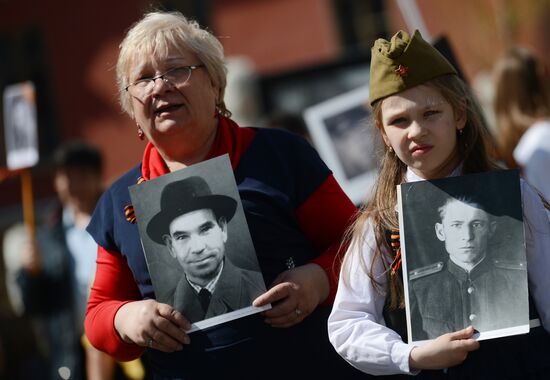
(474, 146)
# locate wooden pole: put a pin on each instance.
(28, 202)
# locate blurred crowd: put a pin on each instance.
(48, 271)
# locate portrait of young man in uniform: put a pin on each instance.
(471, 286)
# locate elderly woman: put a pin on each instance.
(171, 77)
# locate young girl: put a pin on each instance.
(432, 128)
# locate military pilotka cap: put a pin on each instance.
(402, 63)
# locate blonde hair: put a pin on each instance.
(155, 35)
(521, 98)
(379, 210)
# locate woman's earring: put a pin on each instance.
(390, 149)
(460, 132)
(140, 134)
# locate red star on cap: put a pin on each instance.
(402, 71)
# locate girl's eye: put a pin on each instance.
(398, 121)
(431, 113)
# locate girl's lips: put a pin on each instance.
(421, 149)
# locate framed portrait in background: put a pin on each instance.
(341, 130)
(20, 125)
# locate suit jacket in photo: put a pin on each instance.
(236, 289)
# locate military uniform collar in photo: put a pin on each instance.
(184, 196)
(403, 63)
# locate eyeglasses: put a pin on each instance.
(178, 76)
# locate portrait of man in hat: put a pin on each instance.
(193, 226)
(472, 284)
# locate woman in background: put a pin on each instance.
(522, 110)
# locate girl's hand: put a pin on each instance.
(446, 351)
(294, 294)
(151, 324)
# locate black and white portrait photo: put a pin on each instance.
(464, 256)
(344, 136)
(352, 140)
(197, 244)
(20, 125)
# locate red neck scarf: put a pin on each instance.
(230, 139)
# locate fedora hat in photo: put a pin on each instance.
(186, 195)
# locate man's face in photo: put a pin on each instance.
(465, 229)
(197, 241)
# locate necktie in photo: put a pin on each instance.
(204, 298)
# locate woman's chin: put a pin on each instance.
(169, 126)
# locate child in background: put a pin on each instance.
(432, 128)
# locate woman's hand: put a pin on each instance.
(294, 294)
(446, 351)
(151, 324)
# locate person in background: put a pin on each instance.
(432, 128)
(172, 78)
(522, 113)
(57, 267)
(21, 356)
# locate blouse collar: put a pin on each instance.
(411, 176)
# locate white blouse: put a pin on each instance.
(532, 153)
(356, 326)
